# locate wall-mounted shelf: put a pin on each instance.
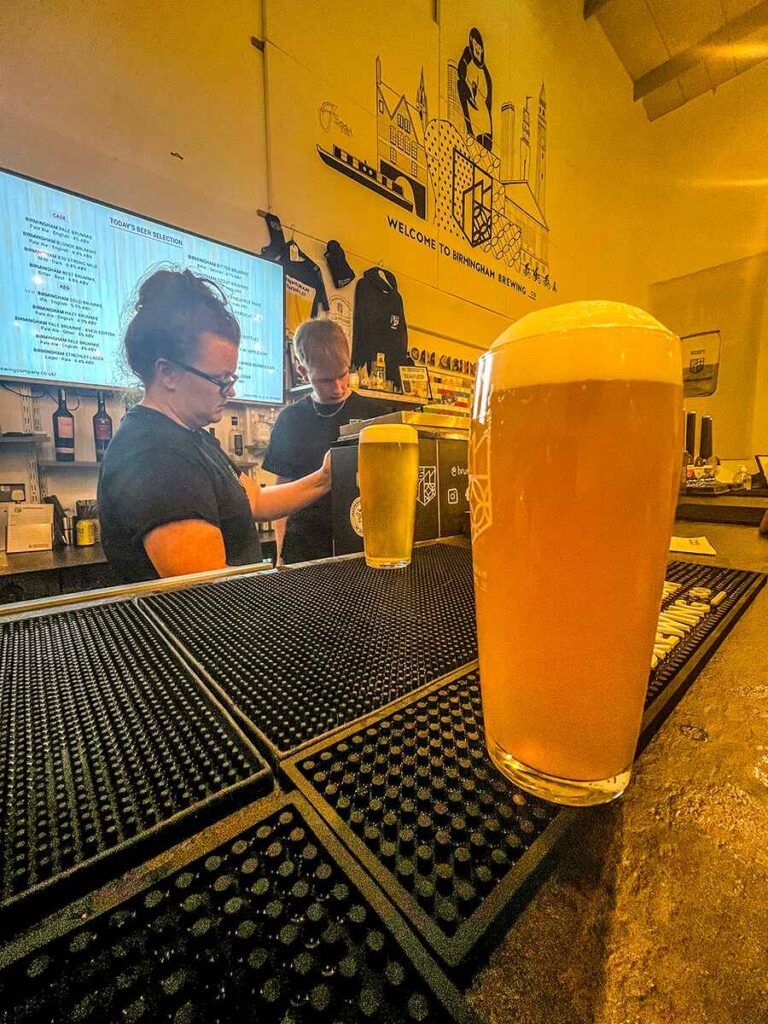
(25, 439)
(81, 464)
(390, 396)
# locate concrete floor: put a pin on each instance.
(657, 910)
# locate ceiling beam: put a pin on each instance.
(735, 31)
(593, 6)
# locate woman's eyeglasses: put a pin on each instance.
(224, 384)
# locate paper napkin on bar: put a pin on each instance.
(691, 546)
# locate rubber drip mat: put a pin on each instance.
(670, 679)
(302, 652)
(264, 918)
(417, 800)
(414, 795)
(105, 739)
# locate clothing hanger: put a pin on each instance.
(294, 252)
(382, 272)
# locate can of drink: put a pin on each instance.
(85, 532)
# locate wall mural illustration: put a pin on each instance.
(473, 84)
(447, 172)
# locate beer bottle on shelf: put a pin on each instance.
(690, 435)
(706, 457)
(64, 430)
(102, 427)
(235, 438)
(690, 449)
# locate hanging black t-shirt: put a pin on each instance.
(156, 471)
(300, 438)
(379, 323)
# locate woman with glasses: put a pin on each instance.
(170, 500)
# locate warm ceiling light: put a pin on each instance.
(728, 182)
(736, 51)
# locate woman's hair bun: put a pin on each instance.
(173, 308)
(172, 288)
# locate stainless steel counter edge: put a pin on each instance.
(120, 593)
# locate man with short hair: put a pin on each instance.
(305, 431)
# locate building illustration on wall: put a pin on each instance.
(444, 172)
(400, 130)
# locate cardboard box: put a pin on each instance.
(30, 527)
(441, 500)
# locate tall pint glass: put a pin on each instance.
(388, 468)
(574, 462)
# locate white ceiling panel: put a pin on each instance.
(695, 81)
(733, 8)
(721, 68)
(667, 37)
(632, 33)
(684, 23)
(668, 97)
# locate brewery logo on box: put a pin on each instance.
(356, 516)
(427, 484)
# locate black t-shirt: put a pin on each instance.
(300, 438)
(154, 472)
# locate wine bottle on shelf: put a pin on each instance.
(102, 427)
(64, 430)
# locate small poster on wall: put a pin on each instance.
(701, 363)
(415, 381)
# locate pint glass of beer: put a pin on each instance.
(574, 462)
(388, 468)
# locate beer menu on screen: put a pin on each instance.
(70, 274)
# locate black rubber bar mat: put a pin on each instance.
(417, 800)
(414, 795)
(302, 652)
(107, 743)
(263, 918)
(719, 596)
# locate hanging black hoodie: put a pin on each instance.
(379, 323)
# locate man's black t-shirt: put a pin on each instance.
(154, 472)
(300, 438)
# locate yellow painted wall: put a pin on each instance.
(710, 235)
(96, 96)
(729, 298)
(710, 178)
(597, 144)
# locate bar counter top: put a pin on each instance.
(657, 909)
(23, 562)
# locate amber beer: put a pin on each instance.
(574, 459)
(388, 470)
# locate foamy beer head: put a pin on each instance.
(591, 340)
(388, 433)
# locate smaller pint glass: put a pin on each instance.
(574, 464)
(388, 469)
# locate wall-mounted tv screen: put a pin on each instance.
(70, 269)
